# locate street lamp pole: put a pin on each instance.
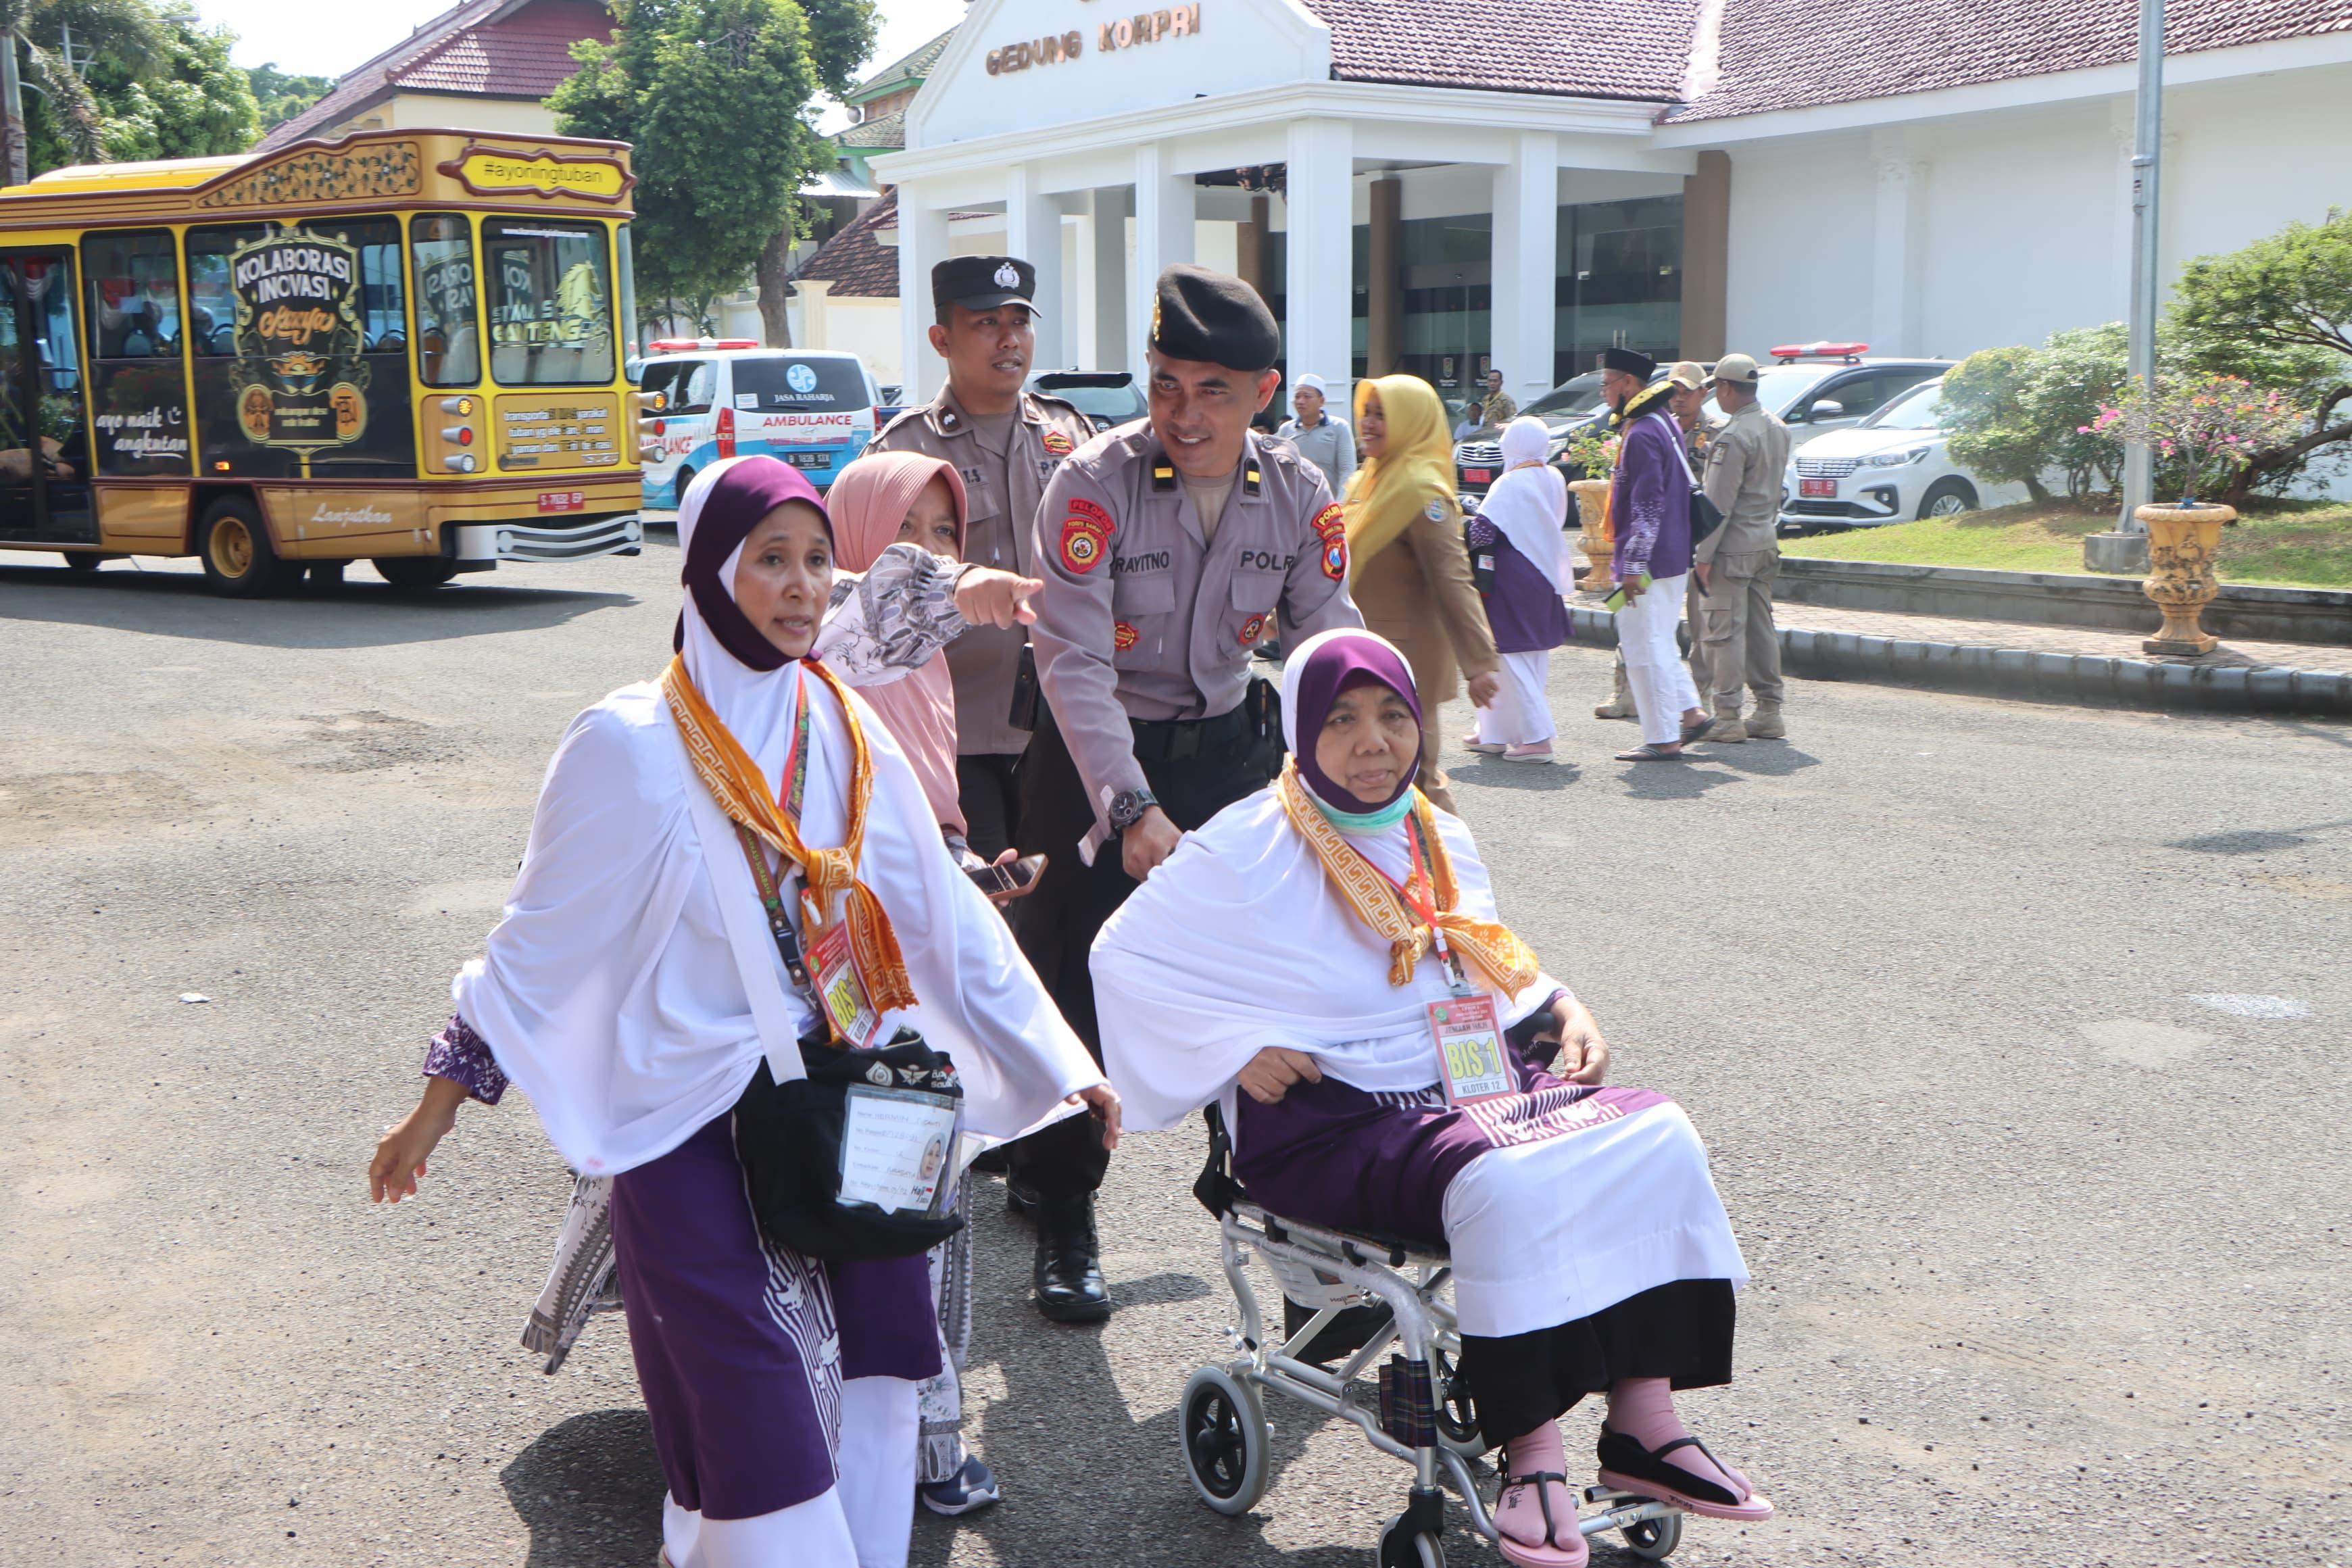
(2147, 141)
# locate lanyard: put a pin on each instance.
(1418, 893)
(771, 896)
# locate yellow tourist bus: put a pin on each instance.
(404, 346)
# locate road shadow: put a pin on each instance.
(1674, 781)
(1767, 759)
(351, 615)
(589, 1492)
(1492, 773)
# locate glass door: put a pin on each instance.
(43, 438)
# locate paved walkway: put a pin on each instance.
(2050, 639)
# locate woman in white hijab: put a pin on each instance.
(633, 988)
(1322, 959)
(1521, 527)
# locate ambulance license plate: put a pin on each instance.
(809, 460)
(1827, 488)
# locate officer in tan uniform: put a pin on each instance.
(1006, 443)
(1169, 548)
(1734, 641)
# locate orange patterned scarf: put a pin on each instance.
(735, 782)
(1508, 960)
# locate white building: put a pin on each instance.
(1428, 185)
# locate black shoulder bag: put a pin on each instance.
(1705, 517)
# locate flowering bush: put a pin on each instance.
(1590, 453)
(2206, 426)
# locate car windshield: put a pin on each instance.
(1921, 408)
(1778, 388)
(1571, 399)
(811, 385)
(1093, 399)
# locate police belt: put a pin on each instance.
(1181, 739)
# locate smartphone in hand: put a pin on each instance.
(1009, 880)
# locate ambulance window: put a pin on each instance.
(550, 289)
(448, 341)
(134, 295)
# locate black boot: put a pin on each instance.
(1069, 1271)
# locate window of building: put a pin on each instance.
(1620, 281)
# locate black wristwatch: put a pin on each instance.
(1128, 806)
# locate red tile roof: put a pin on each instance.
(853, 262)
(1585, 49)
(1795, 54)
(484, 49)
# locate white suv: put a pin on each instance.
(1891, 467)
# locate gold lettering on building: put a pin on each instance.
(1050, 51)
(1148, 28)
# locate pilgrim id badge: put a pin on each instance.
(895, 1146)
(840, 989)
(1470, 1049)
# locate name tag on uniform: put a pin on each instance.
(841, 989)
(1470, 1049)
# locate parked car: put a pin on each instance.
(725, 397)
(1816, 388)
(1891, 467)
(1106, 398)
(1478, 459)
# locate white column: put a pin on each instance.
(922, 243)
(1109, 254)
(1163, 237)
(1896, 252)
(1318, 277)
(1525, 252)
(1033, 231)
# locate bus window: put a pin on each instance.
(142, 395)
(551, 302)
(449, 345)
(303, 349)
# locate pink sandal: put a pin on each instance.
(1631, 1467)
(1552, 1551)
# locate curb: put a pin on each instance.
(2091, 681)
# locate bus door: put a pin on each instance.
(44, 443)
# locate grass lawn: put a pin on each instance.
(2295, 545)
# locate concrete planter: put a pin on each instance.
(2182, 542)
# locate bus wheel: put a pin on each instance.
(84, 559)
(238, 560)
(414, 570)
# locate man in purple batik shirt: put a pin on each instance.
(1650, 499)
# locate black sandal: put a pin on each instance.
(1626, 1465)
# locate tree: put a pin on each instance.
(2279, 314)
(2016, 414)
(65, 117)
(282, 96)
(714, 95)
(194, 104)
(1980, 402)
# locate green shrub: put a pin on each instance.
(2017, 413)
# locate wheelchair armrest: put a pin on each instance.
(1216, 1186)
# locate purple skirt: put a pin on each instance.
(742, 1347)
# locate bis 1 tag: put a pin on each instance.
(1470, 1049)
(840, 988)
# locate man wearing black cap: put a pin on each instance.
(1169, 548)
(1649, 505)
(1006, 443)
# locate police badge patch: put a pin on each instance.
(1331, 528)
(1083, 532)
(1437, 510)
(1254, 629)
(1007, 277)
(1057, 444)
(1122, 635)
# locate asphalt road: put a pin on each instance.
(2017, 1034)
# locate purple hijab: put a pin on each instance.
(1323, 667)
(740, 494)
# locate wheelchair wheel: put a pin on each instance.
(1457, 1415)
(1656, 1539)
(1222, 1424)
(1402, 1548)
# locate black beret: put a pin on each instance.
(982, 282)
(1213, 317)
(1630, 360)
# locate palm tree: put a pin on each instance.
(128, 31)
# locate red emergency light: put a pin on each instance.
(686, 345)
(1787, 352)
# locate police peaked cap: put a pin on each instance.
(1213, 317)
(1632, 362)
(982, 282)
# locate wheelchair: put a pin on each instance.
(1416, 1405)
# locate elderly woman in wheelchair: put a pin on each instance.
(1323, 967)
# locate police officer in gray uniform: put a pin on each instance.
(1006, 442)
(1169, 548)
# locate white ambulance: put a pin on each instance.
(709, 398)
